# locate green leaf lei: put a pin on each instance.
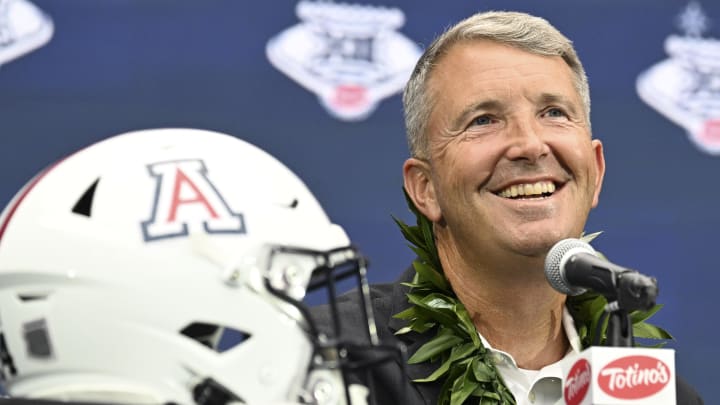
(470, 377)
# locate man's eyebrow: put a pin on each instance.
(492, 105)
(553, 98)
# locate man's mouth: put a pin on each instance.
(541, 189)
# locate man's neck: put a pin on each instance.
(514, 308)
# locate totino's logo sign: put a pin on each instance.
(577, 382)
(634, 377)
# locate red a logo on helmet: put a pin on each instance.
(186, 198)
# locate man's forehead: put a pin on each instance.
(491, 55)
(479, 74)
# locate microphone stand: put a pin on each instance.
(632, 292)
(619, 331)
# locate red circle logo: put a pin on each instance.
(577, 382)
(634, 377)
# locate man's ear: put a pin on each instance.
(600, 169)
(420, 188)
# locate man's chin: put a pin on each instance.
(536, 246)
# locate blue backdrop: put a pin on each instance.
(119, 65)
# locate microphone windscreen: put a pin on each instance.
(555, 262)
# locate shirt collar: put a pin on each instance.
(570, 332)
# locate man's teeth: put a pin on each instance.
(528, 190)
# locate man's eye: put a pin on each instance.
(555, 113)
(482, 120)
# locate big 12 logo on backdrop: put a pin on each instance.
(349, 55)
(23, 28)
(685, 88)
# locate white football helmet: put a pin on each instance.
(169, 265)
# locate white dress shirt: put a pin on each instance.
(535, 387)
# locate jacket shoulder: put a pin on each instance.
(350, 313)
(685, 394)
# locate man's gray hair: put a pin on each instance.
(526, 32)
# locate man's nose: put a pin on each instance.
(526, 142)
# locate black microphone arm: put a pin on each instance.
(631, 289)
(572, 266)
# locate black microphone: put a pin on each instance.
(572, 267)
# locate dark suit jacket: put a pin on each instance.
(389, 385)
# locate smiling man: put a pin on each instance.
(503, 165)
(508, 168)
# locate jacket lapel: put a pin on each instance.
(413, 341)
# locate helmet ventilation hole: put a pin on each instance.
(84, 205)
(215, 337)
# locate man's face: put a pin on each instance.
(512, 163)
